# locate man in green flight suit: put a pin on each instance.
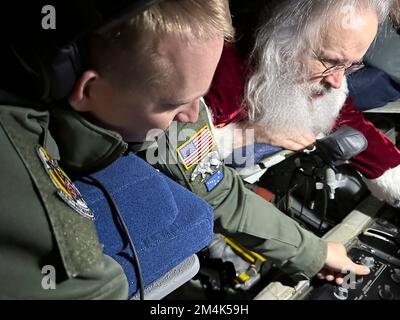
(146, 74)
(49, 248)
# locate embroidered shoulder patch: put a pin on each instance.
(214, 180)
(65, 188)
(196, 148)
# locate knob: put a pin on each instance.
(386, 293)
(368, 262)
(396, 275)
(341, 293)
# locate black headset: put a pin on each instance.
(42, 64)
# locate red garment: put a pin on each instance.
(225, 99)
(381, 154)
(226, 93)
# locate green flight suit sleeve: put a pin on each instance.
(245, 216)
(29, 253)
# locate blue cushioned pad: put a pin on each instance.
(372, 88)
(250, 155)
(166, 222)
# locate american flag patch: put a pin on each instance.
(195, 149)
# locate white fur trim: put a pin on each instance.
(387, 186)
(224, 138)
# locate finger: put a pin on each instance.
(360, 269)
(290, 145)
(310, 138)
(339, 278)
(321, 275)
(299, 143)
(305, 140)
(329, 277)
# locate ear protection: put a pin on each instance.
(43, 64)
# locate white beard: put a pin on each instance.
(293, 113)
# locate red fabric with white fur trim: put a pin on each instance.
(381, 154)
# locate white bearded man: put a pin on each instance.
(295, 89)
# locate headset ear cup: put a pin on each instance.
(63, 71)
(48, 75)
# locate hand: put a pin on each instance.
(300, 142)
(338, 262)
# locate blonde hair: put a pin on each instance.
(128, 50)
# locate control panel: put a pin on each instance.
(378, 248)
(382, 283)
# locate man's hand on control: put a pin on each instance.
(338, 262)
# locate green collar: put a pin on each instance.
(81, 146)
(84, 147)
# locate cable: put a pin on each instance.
(283, 199)
(325, 209)
(115, 209)
(296, 186)
(287, 202)
(304, 200)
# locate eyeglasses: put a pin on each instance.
(348, 69)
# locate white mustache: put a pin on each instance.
(294, 113)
